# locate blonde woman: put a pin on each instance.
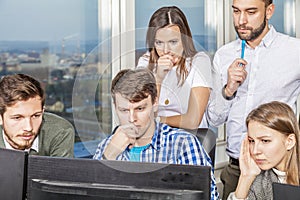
(269, 153)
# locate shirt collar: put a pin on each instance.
(280, 175)
(35, 144)
(278, 172)
(154, 142)
(269, 37)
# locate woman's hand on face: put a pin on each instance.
(247, 164)
(249, 171)
(164, 65)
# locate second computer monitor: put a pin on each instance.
(13, 166)
(63, 178)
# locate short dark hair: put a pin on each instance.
(134, 85)
(268, 2)
(18, 87)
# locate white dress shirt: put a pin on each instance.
(174, 99)
(273, 74)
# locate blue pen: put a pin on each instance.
(243, 49)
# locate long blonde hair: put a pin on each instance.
(280, 117)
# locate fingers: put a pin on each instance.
(240, 62)
(168, 59)
(174, 60)
(246, 162)
(131, 143)
(164, 65)
(130, 130)
(124, 136)
(245, 147)
(237, 74)
(248, 165)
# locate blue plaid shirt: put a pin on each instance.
(169, 145)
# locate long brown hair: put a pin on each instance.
(164, 17)
(280, 117)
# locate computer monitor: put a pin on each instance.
(285, 191)
(12, 174)
(64, 178)
(61, 190)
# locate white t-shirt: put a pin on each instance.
(173, 99)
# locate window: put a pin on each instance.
(65, 45)
(75, 47)
(200, 15)
(284, 18)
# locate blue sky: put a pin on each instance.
(45, 20)
(53, 20)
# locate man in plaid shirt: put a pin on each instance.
(139, 137)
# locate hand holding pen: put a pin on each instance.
(236, 73)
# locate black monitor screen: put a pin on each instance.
(63, 178)
(60, 190)
(285, 191)
(12, 174)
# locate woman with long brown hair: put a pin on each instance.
(183, 75)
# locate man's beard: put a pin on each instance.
(16, 144)
(254, 33)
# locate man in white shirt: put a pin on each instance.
(268, 70)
